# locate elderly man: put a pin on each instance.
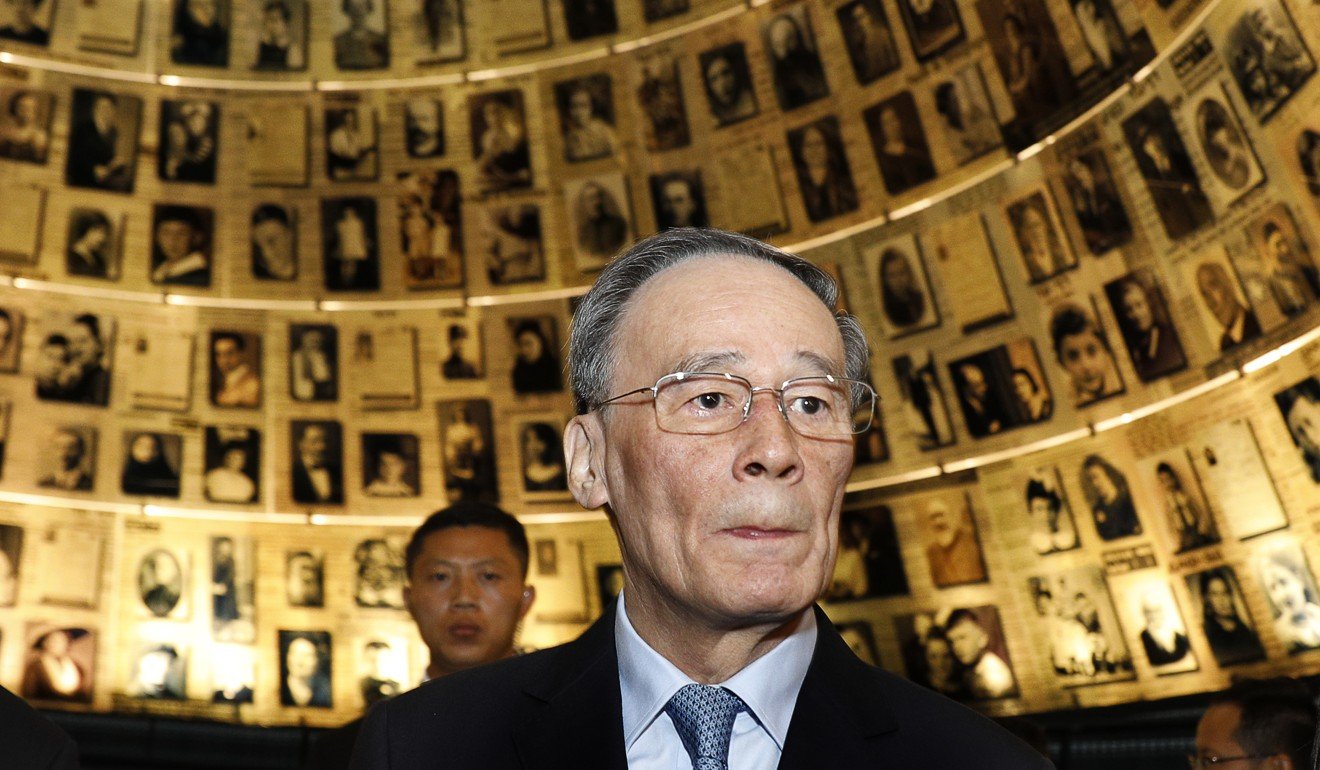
(726, 507)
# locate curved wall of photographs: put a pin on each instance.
(280, 278)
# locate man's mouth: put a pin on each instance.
(760, 533)
(465, 630)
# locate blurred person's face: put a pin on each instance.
(815, 153)
(272, 237)
(198, 121)
(530, 346)
(1104, 486)
(579, 108)
(103, 114)
(56, 643)
(153, 668)
(1304, 424)
(313, 445)
(424, 116)
(273, 23)
(968, 641)
(1217, 294)
(392, 467)
(939, 659)
(1023, 387)
(26, 110)
(974, 381)
(722, 80)
(68, 448)
(174, 238)
(941, 522)
(784, 38)
(227, 355)
(1216, 733)
(144, 448)
(1219, 597)
(235, 459)
(1137, 308)
(891, 127)
(301, 659)
(1086, 359)
(202, 11)
(84, 347)
(678, 200)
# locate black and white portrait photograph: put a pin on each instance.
(462, 357)
(25, 115)
(899, 141)
(1053, 528)
(233, 464)
(69, 459)
(1096, 204)
(1225, 619)
(1083, 351)
(11, 562)
(233, 567)
(960, 653)
(823, 173)
(305, 662)
(949, 538)
(1102, 34)
(361, 39)
(590, 18)
(536, 367)
(94, 244)
(869, 39)
(1224, 145)
(304, 578)
(27, 21)
(162, 583)
(282, 36)
(1299, 405)
(1148, 603)
(159, 671)
(1075, 612)
(679, 199)
(1173, 483)
(382, 668)
(379, 575)
(390, 465)
(1294, 602)
(906, 302)
(151, 464)
(74, 360)
(586, 117)
(1164, 163)
(1032, 63)
(925, 406)
(235, 369)
(933, 26)
(199, 33)
(349, 237)
(1039, 236)
(1267, 57)
(1109, 496)
(795, 65)
(189, 141)
(663, 107)
(869, 563)
(103, 140)
(469, 450)
(233, 673)
(273, 237)
(1137, 301)
(600, 218)
(967, 117)
(313, 362)
(11, 338)
(60, 663)
(441, 31)
(659, 10)
(424, 127)
(431, 229)
(541, 458)
(546, 553)
(352, 146)
(1286, 265)
(498, 126)
(1002, 388)
(513, 251)
(316, 461)
(181, 245)
(727, 81)
(1226, 314)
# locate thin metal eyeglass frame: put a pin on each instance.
(1199, 763)
(654, 390)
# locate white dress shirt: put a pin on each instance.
(769, 686)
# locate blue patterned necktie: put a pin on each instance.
(703, 716)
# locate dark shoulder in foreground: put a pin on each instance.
(30, 740)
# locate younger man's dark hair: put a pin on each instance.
(470, 514)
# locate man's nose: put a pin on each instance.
(769, 446)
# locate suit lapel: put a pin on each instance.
(839, 710)
(575, 711)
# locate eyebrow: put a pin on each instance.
(717, 361)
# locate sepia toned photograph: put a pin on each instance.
(233, 464)
(424, 127)
(352, 144)
(1148, 603)
(547, 557)
(1288, 583)
(28, 21)
(361, 39)
(103, 140)
(1076, 614)
(933, 26)
(1286, 265)
(1033, 65)
(900, 143)
(1082, 349)
(162, 583)
(12, 321)
(600, 219)
(152, 463)
(468, 449)
(1225, 619)
(679, 199)
(1053, 528)
(960, 653)
(795, 64)
(949, 539)
(823, 174)
(379, 576)
(1223, 144)
(1002, 388)
(233, 603)
(906, 302)
(69, 459)
(11, 563)
(1039, 236)
(537, 367)
(59, 664)
(441, 31)
(199, 32)
(74, 359)
(541, 458)
(431, 229)
(513, 251)
(316, 452)
(182, 245)
(590, 18)
(159, 671)
(871, 446)
(586, 117)
(313, 362)
(1104, 38)
(189, 141)
(282, 36)
(925, 405)
(390, 465)
(462, 357)
(304, 578)
(274, 242)
(305, 663)
(235, 369)
(967, 117)
(663, 107)
(1173, 483)
(350, 239)
(869, 38)
(1096, 204)
(1267, 57)
(25, 124)
(870, 563)
(1299, 405)
(94, 244)
(1163, 161)
(659, 10)
(382, 669)
(727, 81)
(498, 127)
(1143, 317)
(1109, 496)
(1225, 313)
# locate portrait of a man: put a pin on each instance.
(899, 142)
(200, 32)
(1163, 634)
(1224, 305)
(728, 84)
(235, 369)
(424, 127)
(679, 199)
(274, 241)
(1267, 57)
(586, 117)
(181, 245)
(103, 140)
(952, 546)
(159, 672)
(360, 41)
(189, 141)
(1170, 177)
(498, 126)
(599, 211)
(1096, 204)
(304, 582)
(316, 461)
(70, 464)
(462, 358)
(663, 106)
(1299, 405)
(869, 39)
(795, 64)
(1143, 316)
(380, 669)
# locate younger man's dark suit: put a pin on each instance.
(30, 740)
(561, 708)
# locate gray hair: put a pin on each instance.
(592, 353)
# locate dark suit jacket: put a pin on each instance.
(561, 708)
(304, 491)
(30, 740)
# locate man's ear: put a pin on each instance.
(584, 454)
(525, 604)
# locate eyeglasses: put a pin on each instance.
(1205, 763)
(707, 403)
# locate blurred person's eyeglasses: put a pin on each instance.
(1206, 762)
(708, 403)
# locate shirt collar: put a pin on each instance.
(769, 685)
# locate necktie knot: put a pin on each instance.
(704, 716)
